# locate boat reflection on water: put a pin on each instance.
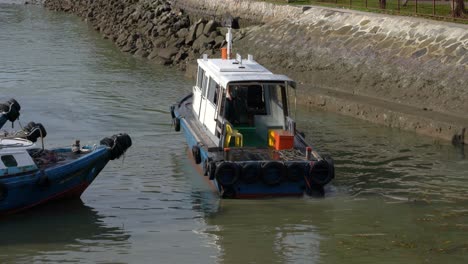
(59, 229)
(263, 231)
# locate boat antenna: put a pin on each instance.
(229, 42)
(228, 22)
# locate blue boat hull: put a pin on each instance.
(70, 180)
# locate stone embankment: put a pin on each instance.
(402, 72)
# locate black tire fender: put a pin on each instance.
(176, 124)
(196, 154)
(296, 171)
(211, 170)
(273, 172)
(331, 165)
(227, 173)
(172, 111)
(250, 172)
(320, 173)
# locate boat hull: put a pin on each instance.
(70, 180)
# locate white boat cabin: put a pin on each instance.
(242, 95)
(14, 157)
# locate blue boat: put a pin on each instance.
(31, 175)
(238, 124)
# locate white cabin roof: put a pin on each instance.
(226, 71)
(15, 150)
(9, 145)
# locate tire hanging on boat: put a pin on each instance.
(331, 165)
(175, 120)
(34, 131)
(297, 170)
(176, 124)
(118, 144)
(273, 172)
(172, 111)
(321, 173)
(250, 172)
(3, 191)
(11, 109)
(211, 170)
(196, 154)
(227, 173)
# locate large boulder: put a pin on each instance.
(167, 53)
(200, 28)
(182, 33)
(192, 34)
(209, 27)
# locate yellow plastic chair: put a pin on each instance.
(233, 133)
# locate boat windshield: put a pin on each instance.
(244, 101)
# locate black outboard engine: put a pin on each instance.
(9, 111)
(118, 144)
(34, 131)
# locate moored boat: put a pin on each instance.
(31, 175)
(238, 124)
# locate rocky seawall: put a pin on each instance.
(398, 71)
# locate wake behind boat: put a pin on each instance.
(238, 125)
(31, 175)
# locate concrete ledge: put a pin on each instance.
(421, 121)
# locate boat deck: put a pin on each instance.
(258, 154)
(46, 159)
(255, 147)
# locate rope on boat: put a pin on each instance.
(289, 154)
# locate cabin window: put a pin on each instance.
(204, 85)
(275, 94)
(256, 99)
(9, 161)
(201, 74)
(213, 92)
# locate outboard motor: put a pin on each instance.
(9, 111)
(117, 144)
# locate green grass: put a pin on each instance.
(425, 8)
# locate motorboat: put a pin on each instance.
(31, 175)
(239, 126)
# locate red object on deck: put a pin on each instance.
(283, 139)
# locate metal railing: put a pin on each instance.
(435, 9)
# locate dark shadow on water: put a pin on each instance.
(58, 226)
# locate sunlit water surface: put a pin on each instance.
(397, 198)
